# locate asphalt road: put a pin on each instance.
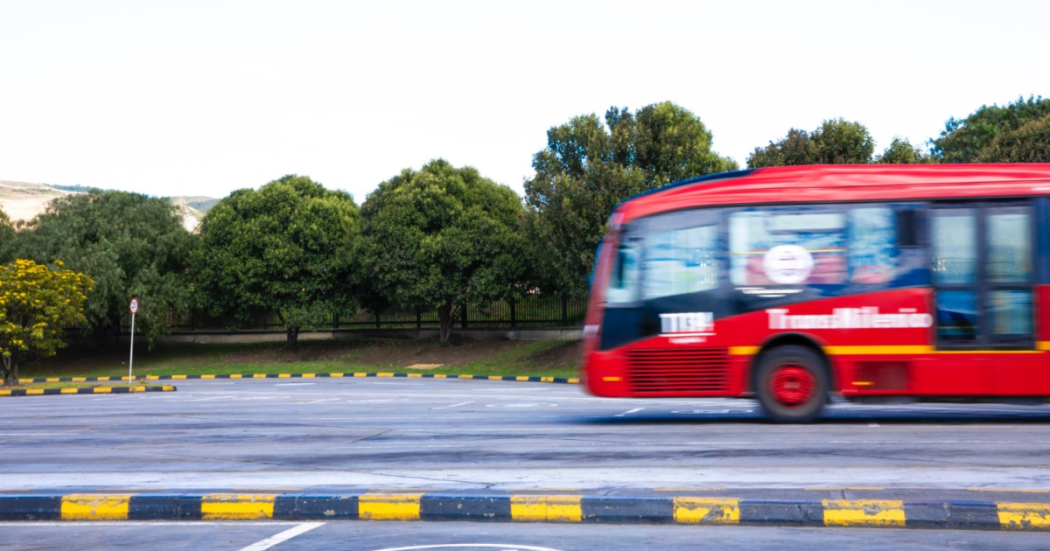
(462, 434)
(454, 536)
(422, 434)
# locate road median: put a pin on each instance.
(16, 392)
(533, 507)
(515, 378)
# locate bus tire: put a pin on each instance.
(791, 384)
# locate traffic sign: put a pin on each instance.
(134, 305)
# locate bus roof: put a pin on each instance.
(835, 183)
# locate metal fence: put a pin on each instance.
(533, 311)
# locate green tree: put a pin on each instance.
(440, 239)
(36, 305)
(589, 167)
(1030, 143)
(963, 140)
(286, 249)
(130, 245)
(7, 237)
(837, 141)
(902, 152)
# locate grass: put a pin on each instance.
(220, 359)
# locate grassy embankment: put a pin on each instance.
(541, 358)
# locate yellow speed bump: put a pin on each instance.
(706, 510)
(1024, 516)
(546, 508)
(237, 506)
(841, 512)
(95, 507)
(388, 506)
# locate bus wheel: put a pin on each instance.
(791, 384)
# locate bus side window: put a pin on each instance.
(681, 261)
(871, 246)
(624, 278)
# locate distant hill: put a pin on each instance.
(25, 200)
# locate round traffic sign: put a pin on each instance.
(134, 305)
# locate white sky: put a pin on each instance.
(204, 97)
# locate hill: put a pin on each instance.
(25, 200)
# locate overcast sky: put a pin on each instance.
(204, 97)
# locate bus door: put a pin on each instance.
(982, 273)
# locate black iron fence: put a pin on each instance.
(533, 311)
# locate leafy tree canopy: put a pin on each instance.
(963, 140)
(440, 239)
(836, 142)
(1029, 143)
(7, 237)
(902, 152)
(129, 244)
(285, 249)
(36, 305)
(589, 167)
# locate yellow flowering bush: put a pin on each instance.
(36, 305)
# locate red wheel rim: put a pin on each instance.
(792, 385)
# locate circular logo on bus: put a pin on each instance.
(788, 264)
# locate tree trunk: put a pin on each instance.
(9, 369)
(445, 319)
(293, 338)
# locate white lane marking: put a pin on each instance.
(500, 546)
(628, 412)
(295, 384)
(283, 536)
(873, 424)
(522, 406)
(454, 405)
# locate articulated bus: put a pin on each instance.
(793, 284)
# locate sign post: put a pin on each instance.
(131, 356)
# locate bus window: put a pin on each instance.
(624, 278)
(954, 246)
(871, 248)
(681, 261)
(787, 246)
(1009, 243)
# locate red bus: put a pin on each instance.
(792, 284)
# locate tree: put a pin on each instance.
(962, 141)
(130, 245)
(1030, 143)
(285, 249)
(442, 238)
(589, 167)
(837, 141)
(36, 305)
(7, 236)
(902, 152)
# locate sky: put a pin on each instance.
(200, 98)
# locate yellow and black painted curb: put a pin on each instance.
(951, 515)
(91, 390)
(521, 378)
